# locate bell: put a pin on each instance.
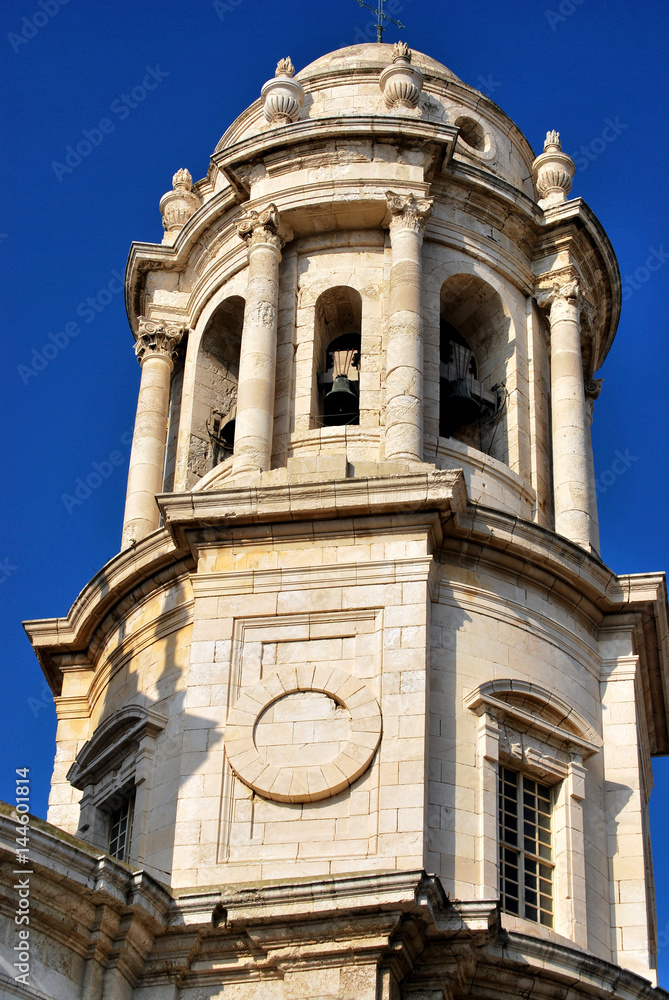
(462, 407)
(228, 434)
(341, 403)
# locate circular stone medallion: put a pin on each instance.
(303, 733)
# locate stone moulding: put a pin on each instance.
(310, 783)
(113, 741)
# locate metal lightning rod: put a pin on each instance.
(381, 16)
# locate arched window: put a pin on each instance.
(215, 391)
(473, 349)
(337, 330)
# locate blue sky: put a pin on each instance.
(167, 78)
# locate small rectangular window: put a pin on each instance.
(525, 847)
(120, 830)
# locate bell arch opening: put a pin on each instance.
(474, 348)
(337, 358)
(215, 390)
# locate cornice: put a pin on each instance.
(107, 587)
(521, 548)
(375, 126)
(574, 228)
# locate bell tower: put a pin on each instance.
(358, 710)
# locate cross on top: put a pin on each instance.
(381, 16)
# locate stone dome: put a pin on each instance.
(371, 56)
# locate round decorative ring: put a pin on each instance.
(306, 783)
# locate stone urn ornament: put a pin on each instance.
(282, 96)
(401, 82)
(178, 205)
(553, 172)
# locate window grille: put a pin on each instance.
(525, 847)
(120, 830)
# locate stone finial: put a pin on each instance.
(553, 172)
(401, 82)
(285, 67)
(551, 141)
(178, 205)
(282, 97)
(158, 339)
(401, 52)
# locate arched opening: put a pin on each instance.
(337, 360)
(473, 352)
(215, 395)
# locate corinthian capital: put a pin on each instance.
(158, 339)
(566, 289)
(261, 227)
(407, 212)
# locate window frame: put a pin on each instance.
(526, 858)
(527, 728)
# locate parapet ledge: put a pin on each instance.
(444, 491)
(59, 859)
(239, 908)
(589, 973)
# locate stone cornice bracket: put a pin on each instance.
(178, 205)
(282, 97)
(553, 172)
(158, 339)
(401, 82)
(261, 227)
(407, 212)
(593, 387)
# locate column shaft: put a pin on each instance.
(404, 354)
(570, 422)
(257, 363)
(156, 350)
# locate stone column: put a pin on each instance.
(592, 391)
(257, 362)
(156, 349)
(570, 420)
(404, 364)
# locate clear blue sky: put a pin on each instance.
(65, 234)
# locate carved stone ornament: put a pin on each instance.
(593, 387)
(158, 339)
(407, 212)
(304, 772)
(553, 172)
(179, 204)
(401, 82)
(261, 227)
(282, 96)
(568, 290)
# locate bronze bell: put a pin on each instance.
(228, 434)
(462, 407)
(341, 404)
